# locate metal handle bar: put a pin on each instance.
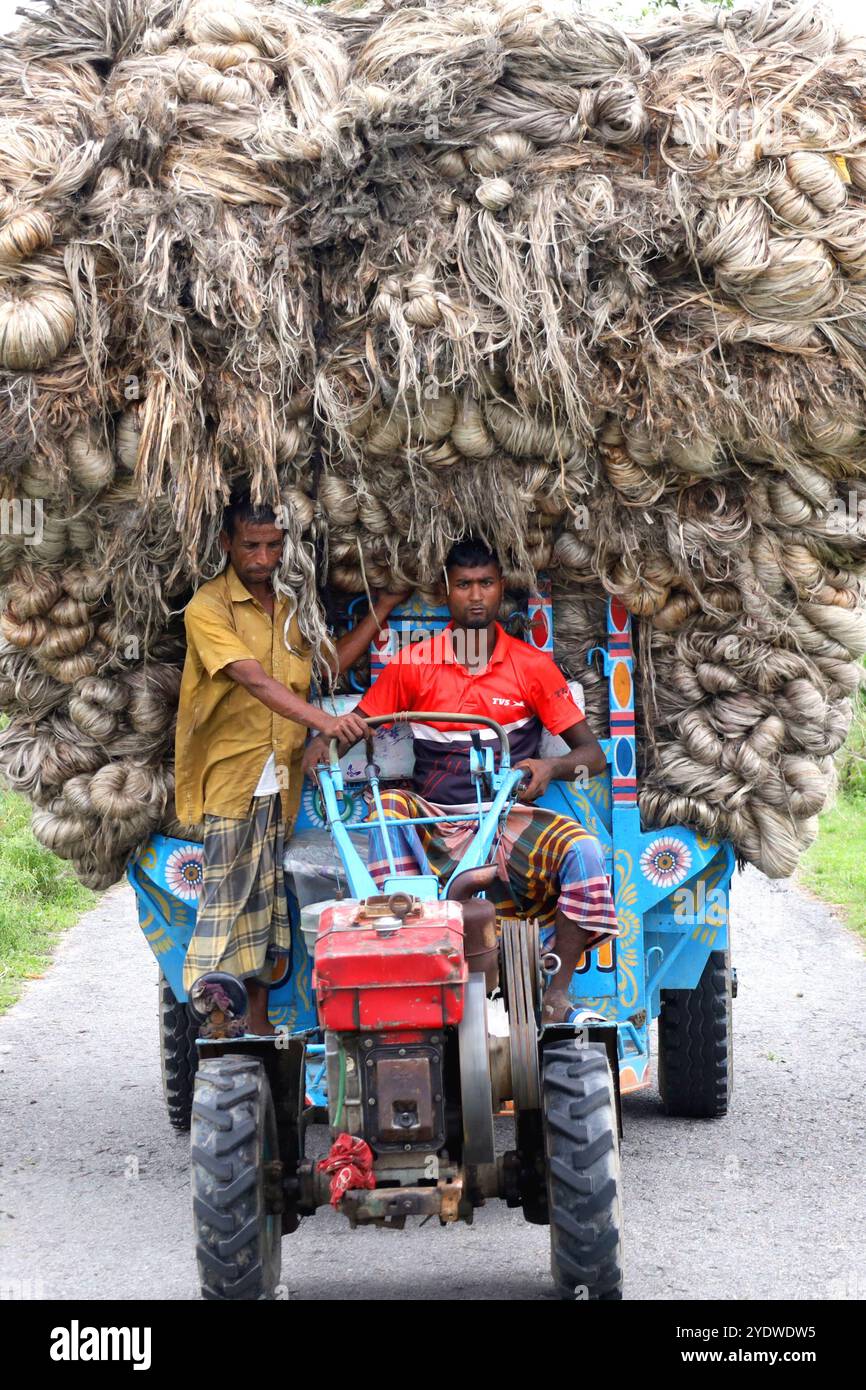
(429, 717)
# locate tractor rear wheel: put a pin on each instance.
(178, 1055)
(695, 1044)
(581, 1140)
(236, 1211)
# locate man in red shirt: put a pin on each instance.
(550, 868)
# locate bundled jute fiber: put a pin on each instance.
(408, 272)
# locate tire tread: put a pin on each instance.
(695, 1071)
(231, 1109)
(179, 1055)
(583, 1171)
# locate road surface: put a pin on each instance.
(766, 1203)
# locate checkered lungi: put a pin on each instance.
(546, 863)
(243, 909)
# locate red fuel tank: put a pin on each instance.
(379, 971)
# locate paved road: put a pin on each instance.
(768, 1202)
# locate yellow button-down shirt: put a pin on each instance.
(224, 734)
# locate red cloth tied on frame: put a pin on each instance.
(350, 1163)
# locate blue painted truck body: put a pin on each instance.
(671, 886)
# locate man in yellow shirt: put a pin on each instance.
(242, 722)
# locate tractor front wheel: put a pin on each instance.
(236, 1210)
(695, 1044)
(581, 1141)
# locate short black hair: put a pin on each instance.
(471, 553)
(242, 508)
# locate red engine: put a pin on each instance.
(390, 974)
(390, 963)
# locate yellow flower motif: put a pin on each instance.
(626, 891)
(626, 984)
(598, 1006)
(601, 787)
(590, 819)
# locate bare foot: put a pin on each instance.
(257, 1017)
(555, 1006)
(261, 1030)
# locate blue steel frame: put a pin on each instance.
(671, 886)
(503, 782)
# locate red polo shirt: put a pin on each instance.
(520, 687)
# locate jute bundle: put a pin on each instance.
(408, 272)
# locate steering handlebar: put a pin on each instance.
(427, 717)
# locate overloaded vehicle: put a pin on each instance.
(408, 1018)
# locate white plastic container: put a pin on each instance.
(310, 918)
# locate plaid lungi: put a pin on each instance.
(243, 909)
(546, 863)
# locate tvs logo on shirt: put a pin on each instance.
(497, 700)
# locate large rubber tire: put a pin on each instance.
(584, 1181)
(695, 1044)
(234, 1135)
(178, 1055)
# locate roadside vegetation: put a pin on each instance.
(39, 897)
(835, 866)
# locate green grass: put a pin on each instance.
(39, 898)
(835, 866)
(851, 759)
